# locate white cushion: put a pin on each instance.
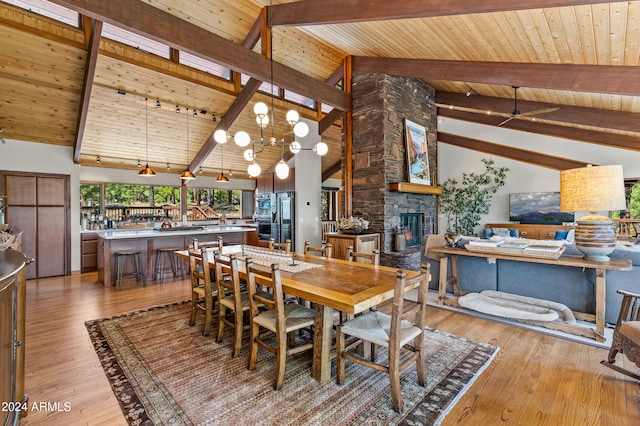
(374, 327)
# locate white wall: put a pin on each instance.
(308, 167)
(522, 177)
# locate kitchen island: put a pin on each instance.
(147, 241)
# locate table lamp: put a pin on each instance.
(593, 189)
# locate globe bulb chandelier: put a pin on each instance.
(243, 139)
(260, 109)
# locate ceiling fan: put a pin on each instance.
(517, 114)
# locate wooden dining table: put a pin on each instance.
(336, 284)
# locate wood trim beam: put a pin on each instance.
(581, 116)
(618, 80)
(526, 156)
(347, 176)
(336, 76)
(322, 12)
(332, 170)
(615, 140)
(89, 73)
(148, 21)
(326, 121)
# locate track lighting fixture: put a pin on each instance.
(214, 118)
(195, 113)
(177, 108)
(168, 166)
(139, 165)
(158, 104)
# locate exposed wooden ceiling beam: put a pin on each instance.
(322, 12)
(328, 120)
(146, 20)
(332, 170)
(615, 140)
(89, 73)
(612, 79)
(530, 157)
(593, 117)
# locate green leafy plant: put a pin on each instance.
(464, 202)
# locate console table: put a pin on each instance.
(596, 333)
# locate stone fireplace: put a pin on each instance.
(381, 103)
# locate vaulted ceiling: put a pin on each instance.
(576, 61)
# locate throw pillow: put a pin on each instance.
(561, 235)
(487, 233)
(501, 232)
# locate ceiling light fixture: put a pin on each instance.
(158, 104)
(147, 171)
(139, 165)
(98, 159)
(186, 175)
(222, 177)
(297, 128)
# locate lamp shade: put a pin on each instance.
(592, 189)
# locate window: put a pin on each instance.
(209, 203)
(329, 204)
(50, 10)
(134, 40)
(299, 99)
(204, 65)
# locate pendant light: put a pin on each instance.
(222, 177)
(187, 175)
(147, 171)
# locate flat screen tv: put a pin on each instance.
(537, 208)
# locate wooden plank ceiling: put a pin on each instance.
(577, 59)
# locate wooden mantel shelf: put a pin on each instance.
(415, 188)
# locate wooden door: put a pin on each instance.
(38, 205)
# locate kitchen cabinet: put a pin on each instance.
(89, 252)
(12, 335)
(361, 243)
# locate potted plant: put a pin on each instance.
(464, 202)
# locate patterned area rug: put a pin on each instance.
(164, 372)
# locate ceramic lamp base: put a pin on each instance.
(596, 239)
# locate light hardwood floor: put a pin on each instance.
(534, 380)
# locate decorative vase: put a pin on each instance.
(400, 242)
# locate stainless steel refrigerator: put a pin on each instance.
(283, 217)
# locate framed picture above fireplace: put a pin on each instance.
(417, 153)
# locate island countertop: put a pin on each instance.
(148, 241)
(117, 234)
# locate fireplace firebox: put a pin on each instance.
(412, 224)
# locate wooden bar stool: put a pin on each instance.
(136, 257)
(159, 265)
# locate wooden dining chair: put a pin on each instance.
(318, 251)
(286, 246)
(626, 335)
(388, 331)
(232, 302)
(278, 318)
(204, 292)
(372, 258)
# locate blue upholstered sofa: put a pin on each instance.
(571, 286)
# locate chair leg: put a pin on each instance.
(419, 346)
(222, 311)
(208, 309)
(253, 346)
(394, 378)
(339, 358)
(237, 338)
(194, 308)
(281, 360)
